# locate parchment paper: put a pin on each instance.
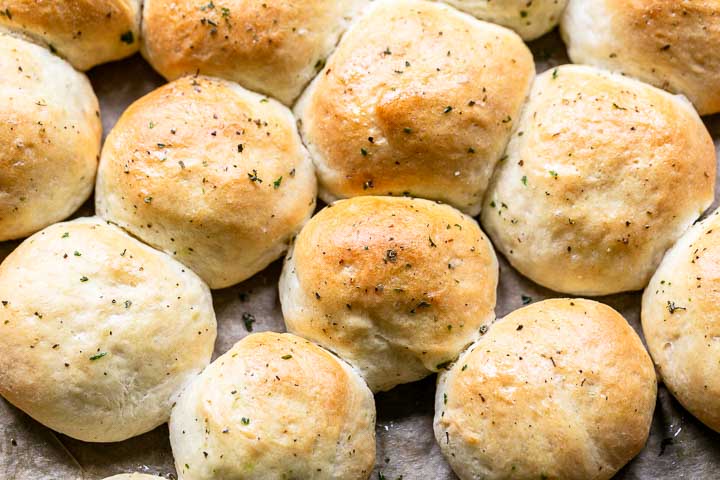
(680, 447)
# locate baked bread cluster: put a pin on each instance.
(83, 32)
(209, 172)
(275, 406)
(396, 286)
(529, 18)
(99, 331)
(670, 44)
(420, 124)
(418, 99)
(274, 48)
(559, 389)
(681, 320)
(49, 138)
(602, 176)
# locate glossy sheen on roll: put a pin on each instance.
(274, 48)
(529, 18)
(49, 138)
(418, 99)
(681, 320)
(209, 172)
(396, 286)
(673, 45)
(84, 32)
(602, 176)
(560, 389)
(275, 406)
(99, 332)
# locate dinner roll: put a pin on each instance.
(274, 48)
(602, 176)
(84, 32)
(560, 389)
(49, 138)
(418, 99)
(529, 18)
(396, 286)
(275, 406)
(134, 476)
(674, 45)
(681, 320)
(99, 332)
(209, 172)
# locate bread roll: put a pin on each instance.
(209, 172)
(559, 389)
(673, 45)
(133, 476)
(396, 286)
(275, 406)
(84, 32)
(681, 320)
(602, 176)
(529, 18)
(274, 48)
(49, 138)
(418, 99)
(99, 332)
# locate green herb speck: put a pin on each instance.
(248, 319)
(128, 37)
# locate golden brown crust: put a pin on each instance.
(559, 389)
(85, 32)
(671, 44)
(270, 47)
(275, 406)
(418, 99)
(396, 286)
(99, 332)
(681, 320)
(602, 176)
(49, 138)
(209, 172)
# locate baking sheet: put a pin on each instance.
(679, 447)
